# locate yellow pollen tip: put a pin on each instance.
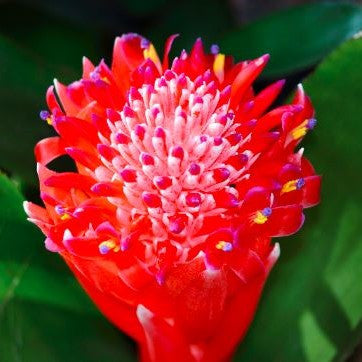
(260, 218)
(300, 131)
(150, 53)
(218, 66)
(105, 80)
(220, 245)
(49, 121)
(224, 245)
(65, 217)
(289, 186)
(108, 245)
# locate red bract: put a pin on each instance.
(183, 177)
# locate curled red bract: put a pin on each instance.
(184, 175)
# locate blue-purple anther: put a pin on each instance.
(95, 75)
(145, 43)
(227, 247)
(44, 115)
(59, 209)
(214, 49)
(311, 123)
(300, 183)
(103, 249)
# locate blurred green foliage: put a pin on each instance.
(311, 310)
(295, 38)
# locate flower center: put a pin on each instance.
(174, 141)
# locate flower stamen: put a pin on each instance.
(261, 216)
(224, 245)
(45, 116)
(292, 185)
(106, 246)
(63, 212)
(218, 66)
(303, 128)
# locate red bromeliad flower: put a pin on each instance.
(183, 178)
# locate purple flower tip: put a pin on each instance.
(267, 212)
(300, 183)
(145, 43)
(311, 123)
(44, 115)
(214, 49)
(103, 249)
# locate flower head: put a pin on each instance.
(183, 177)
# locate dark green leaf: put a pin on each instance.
(296, 38)
(34, 332)
(27, 270)
(312, 310)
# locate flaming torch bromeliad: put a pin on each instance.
(183, 177)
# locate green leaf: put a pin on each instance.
(33, 332)
(296, 38)
(311, 309)
(27, 270)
